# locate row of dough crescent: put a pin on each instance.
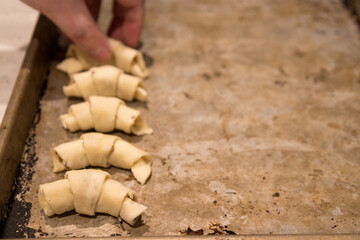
(88, 190)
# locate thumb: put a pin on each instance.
(74, 19)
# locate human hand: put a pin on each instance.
(76, 19)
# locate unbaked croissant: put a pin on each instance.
(105, 114)
(128, 59)
(106, 81)
(89, 191)
(101, 150)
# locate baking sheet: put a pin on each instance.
(256, 114)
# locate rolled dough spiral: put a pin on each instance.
(101, 150)
(104, 114)
(89, 191)
(108, 81)
(128, 59)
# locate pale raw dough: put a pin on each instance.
(89, 191)
(104, 114)
(108, 81)
(101, 150)
(128, 59)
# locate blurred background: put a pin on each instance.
(16, 26)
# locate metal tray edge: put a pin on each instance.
(22, 106)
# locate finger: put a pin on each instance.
(75, 21)
(94, 8)
(128, 21)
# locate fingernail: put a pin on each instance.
(101, 53)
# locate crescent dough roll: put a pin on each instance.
(106, 81)
(128, 59)
(104, 114)
(89, 191)
(101, 150)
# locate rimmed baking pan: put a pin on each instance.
(254, 107)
